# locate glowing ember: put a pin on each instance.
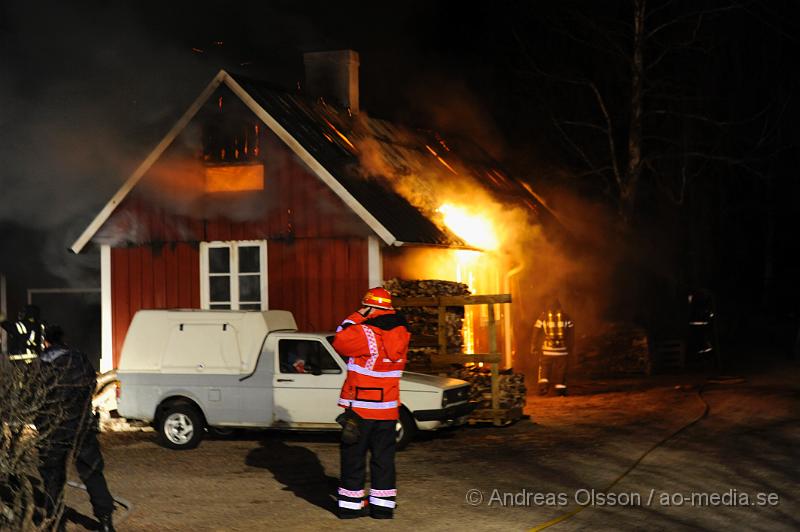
(438, 158)
(474, 229)
(340, 135)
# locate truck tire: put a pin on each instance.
(180, 427)
(405, 428)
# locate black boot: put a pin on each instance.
(376, 512)
(106, 525)
(346, 513)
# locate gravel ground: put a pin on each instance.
(268, 480)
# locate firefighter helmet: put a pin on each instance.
(378, 298)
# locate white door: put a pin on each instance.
(307, 381)
(256, 390)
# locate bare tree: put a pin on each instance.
(648, 118)
(24, 401)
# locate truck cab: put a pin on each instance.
(187, 371)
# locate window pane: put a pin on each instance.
(293, 356)
(249, 259)
(220, 288)
(305, 356)
(250, 306)
(220, 306)
(250, 288)
(219, 260)
(326, 363)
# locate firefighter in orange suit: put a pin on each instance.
(553, 339)
(375, 342)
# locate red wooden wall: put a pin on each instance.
(150, 277)
(316, 251)
(320, 281)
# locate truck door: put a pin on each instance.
(307, 381)
(256, 389)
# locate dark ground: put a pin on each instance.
(263, 481)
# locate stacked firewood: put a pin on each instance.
(425, 288)
(424, 321)
(511, 385)
(616, 349)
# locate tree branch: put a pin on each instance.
(610, 136)
(689, 16)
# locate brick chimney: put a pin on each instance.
(334, 76)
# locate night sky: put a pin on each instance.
(88, 88)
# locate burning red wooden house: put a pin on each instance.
(258, 199)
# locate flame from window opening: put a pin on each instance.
(234, 178)
(474, 229)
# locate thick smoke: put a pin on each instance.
(544, 263)
(82, 102)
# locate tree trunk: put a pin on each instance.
(634, 170)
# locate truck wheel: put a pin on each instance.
(405, 429)
(180, 427)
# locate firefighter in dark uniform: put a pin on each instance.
(375, 342)
(25, 336)
(702, 342)
(68, 429)
(553, 339)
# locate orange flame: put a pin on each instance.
(474, 229)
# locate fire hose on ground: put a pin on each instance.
(124, 503)
(703, 415)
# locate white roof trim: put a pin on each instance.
(315, 166)
(320, 171)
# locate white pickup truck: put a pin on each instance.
(191, 370)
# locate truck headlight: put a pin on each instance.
(455, 395)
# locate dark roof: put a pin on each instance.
(338, 141)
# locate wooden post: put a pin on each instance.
(495, 414)
(492, 330)
(495, 366)
(442, 329)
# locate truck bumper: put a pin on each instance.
(445, 414)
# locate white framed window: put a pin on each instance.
(233, 275)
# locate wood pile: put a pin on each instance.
(423, 321)
(617, 349)
(424, 348)
(512, 386)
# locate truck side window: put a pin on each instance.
(305, 356)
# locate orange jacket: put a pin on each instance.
(376, 349)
